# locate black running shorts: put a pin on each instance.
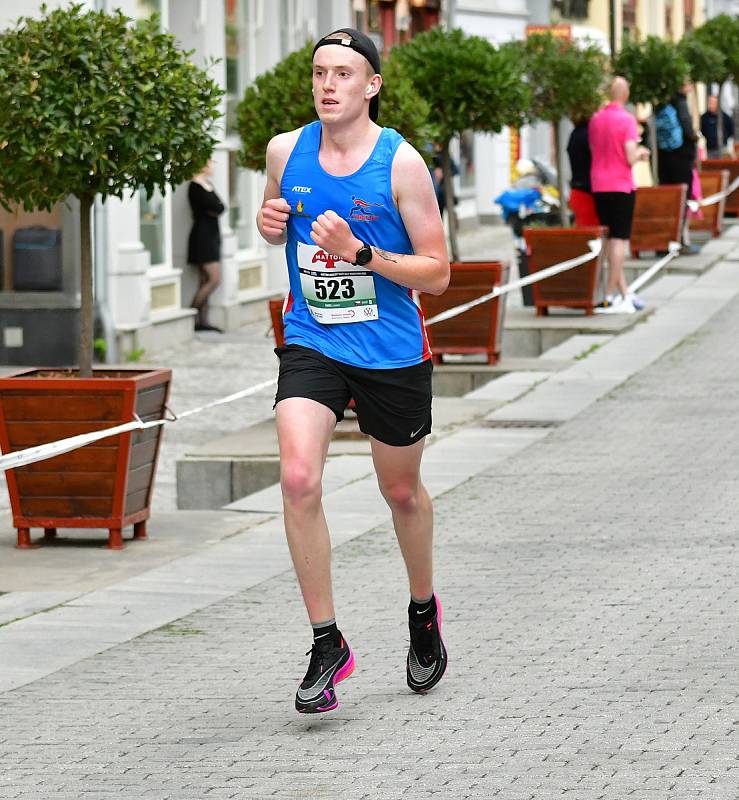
(615, 211)
(392, 405)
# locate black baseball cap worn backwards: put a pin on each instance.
(362, 44)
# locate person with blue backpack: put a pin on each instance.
(676, 144)
(676, 139)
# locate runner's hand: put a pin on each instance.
(333, 234)
(275, 214)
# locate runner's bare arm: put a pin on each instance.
(428, 268)
(275, 211)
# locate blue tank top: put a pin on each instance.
(390, 333)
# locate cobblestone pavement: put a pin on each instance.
(591, 617)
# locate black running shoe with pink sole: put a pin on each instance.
(329, 664)
(427, 658)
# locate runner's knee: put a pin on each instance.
(401, 496)
(300, 483)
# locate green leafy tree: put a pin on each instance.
(280, 100)
(565, 80)
(655, 69)
(94, 105)
(469, 85)
(706, 63)
(721, 33)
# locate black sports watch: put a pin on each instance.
(363, 256)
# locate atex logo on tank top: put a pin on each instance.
(362, 210)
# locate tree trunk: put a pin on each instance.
(446, 167)
(560, 177)
(652, 122)
(86, 313)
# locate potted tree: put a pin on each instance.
(478, 88)
(655, 69)
(92, 105)
(469, 85)
(565, 78)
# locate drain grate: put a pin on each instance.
(520, 423)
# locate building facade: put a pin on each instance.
(143, 284)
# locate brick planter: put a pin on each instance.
(106, 484)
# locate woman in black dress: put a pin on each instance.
(204, 244)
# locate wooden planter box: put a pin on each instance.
(574, 288)
(732, 164)
(478, 330)
(658, 217)
(106, 484)
(713, 215)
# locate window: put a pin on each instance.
(467, 159)
(235, 52)
(240, 202)
(145, 8)
(359, 14)
(153, 225)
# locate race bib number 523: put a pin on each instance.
(335, 290)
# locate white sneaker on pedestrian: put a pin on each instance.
(608, 302)
(619, 305)
(636, 301)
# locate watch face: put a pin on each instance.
(364, 255)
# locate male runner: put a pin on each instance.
(355, 207)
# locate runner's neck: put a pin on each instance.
(345, 148)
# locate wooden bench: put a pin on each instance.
(732, 165)
(574, 288)
(713, 215)
(478, 330)
(658, 217)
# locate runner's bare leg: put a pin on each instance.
(304, 429)
(398, 474)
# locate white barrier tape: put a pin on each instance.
(43, 451)
(673, 250)
(694, 205)
(595, 246)
(21, 458)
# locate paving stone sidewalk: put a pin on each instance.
(591, 616)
